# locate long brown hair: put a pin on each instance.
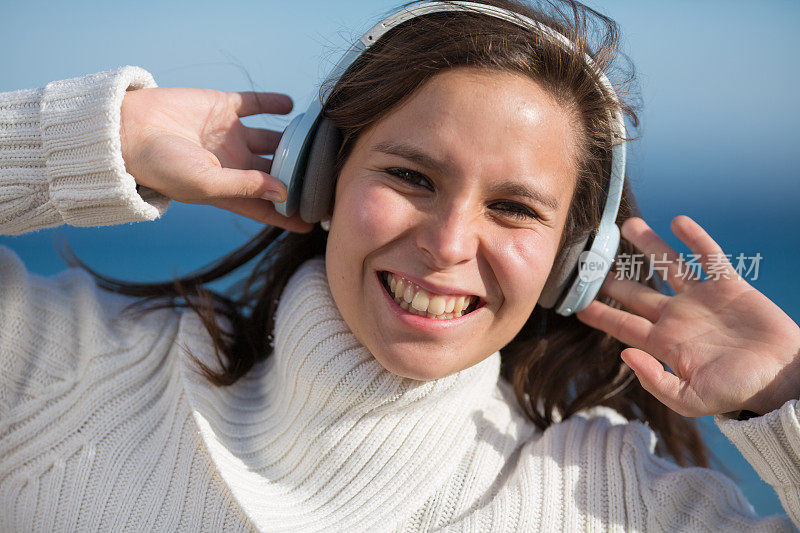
(556, 370)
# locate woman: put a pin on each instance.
(326, 404)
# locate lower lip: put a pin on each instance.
(422, 322)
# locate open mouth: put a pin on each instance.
(418, 301)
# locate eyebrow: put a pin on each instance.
(411, 153)
(510, 188)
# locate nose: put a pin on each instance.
(447, 237)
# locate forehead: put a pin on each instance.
(489, 123)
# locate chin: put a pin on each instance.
(420, 363)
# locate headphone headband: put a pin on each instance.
(309, 180)
(410, 12)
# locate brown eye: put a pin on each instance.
(515, 210)
(411, 177)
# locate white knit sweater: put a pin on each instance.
(106, 425)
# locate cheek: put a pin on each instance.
(372, 213)
(522, 263)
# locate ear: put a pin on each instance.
(316, 199)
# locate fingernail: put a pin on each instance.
(274, 196)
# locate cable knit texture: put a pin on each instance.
(105, 423)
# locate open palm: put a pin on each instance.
(729, 346)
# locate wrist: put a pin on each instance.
(785, 386)
(129, 137)
(125, 131)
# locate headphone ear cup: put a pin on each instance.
(562, 274)
(318, 185)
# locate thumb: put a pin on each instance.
(668, 388)
(218, 182)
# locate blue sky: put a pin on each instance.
(719, 82)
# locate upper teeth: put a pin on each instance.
(417, 300)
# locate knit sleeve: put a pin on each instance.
(61, 158)
(667, 497)
(613, 480)
(771, 444)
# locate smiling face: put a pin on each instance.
(456, 198)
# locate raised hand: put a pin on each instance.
(729, 346)
(189, 145)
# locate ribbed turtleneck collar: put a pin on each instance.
(320, 435)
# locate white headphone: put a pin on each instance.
(306, 156)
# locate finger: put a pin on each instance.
(218, 183)
(259, 163)
(640, 299)
(262, 141)
(264, 212)
(254, 103)
(631, 329)
(668, 388)
(713, 260)
(663, 259)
